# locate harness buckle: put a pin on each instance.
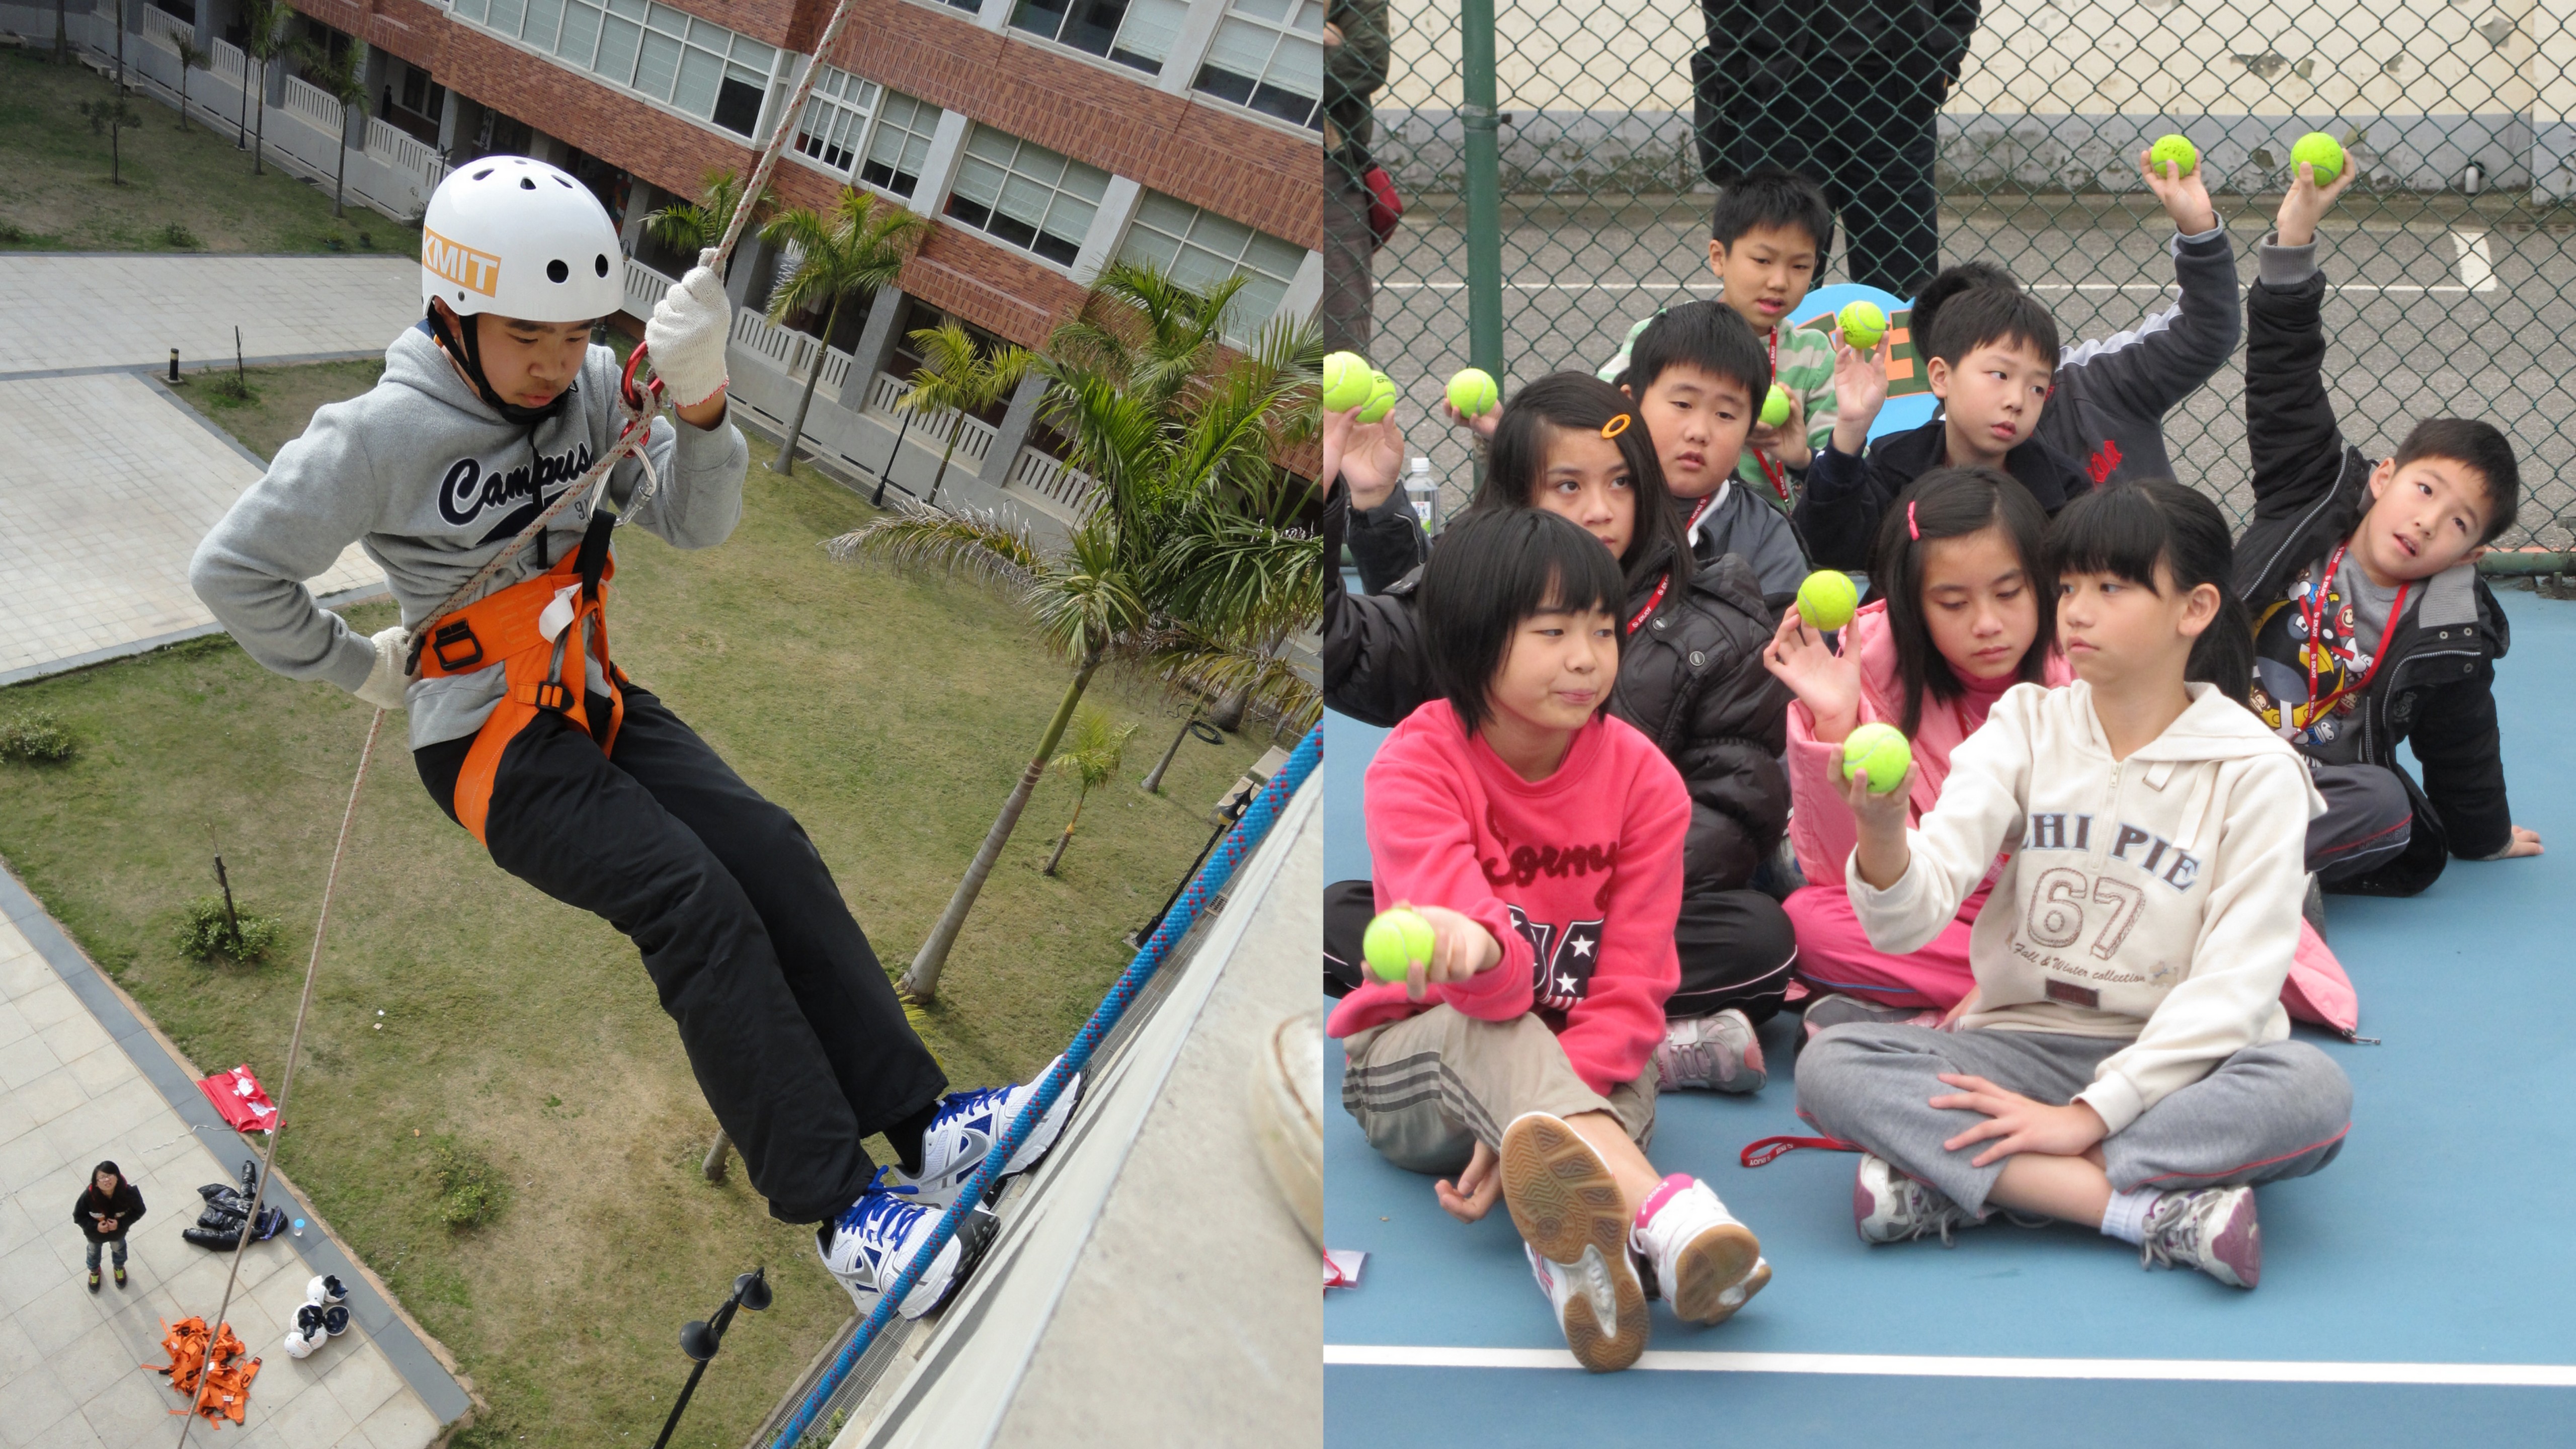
(456, 646)
(551, 695)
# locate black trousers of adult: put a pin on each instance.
(1350, 248)
(1736, 949)
(794, 1032)
(1869, 137)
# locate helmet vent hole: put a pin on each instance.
(556, 271)
(486, 171)
(526, 185)
(566, 185)
(600, 264)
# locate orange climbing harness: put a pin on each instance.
(210, 1369)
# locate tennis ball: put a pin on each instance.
(2321, 151)
(1381, 399)
(1395, 940)
(2176, 150)
(1347, 380)
(1775, 408)
(1881, 751)
(1826, 599)
(1472, 392)
(1863, 324)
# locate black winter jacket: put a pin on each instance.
(2436, 681)
(1760, 54)
(1691, 679)
(126, 1206)
(1839, 511)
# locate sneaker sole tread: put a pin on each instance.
(1600, 1351)
(1564, 1201)
(1708, 1266)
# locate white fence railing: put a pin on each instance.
(227, 62)
(316, 105)
(168, 29)
(1050, 478)
(973, 441)
(398, 148)
(644, 287)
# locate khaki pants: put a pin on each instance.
(1428, 1088)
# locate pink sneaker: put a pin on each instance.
(2212, 1229)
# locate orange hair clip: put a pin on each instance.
(1617, 425)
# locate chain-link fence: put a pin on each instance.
(2453, 279)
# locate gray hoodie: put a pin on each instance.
(432, 483)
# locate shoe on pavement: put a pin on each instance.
(93, 1280)
(967, 1126)
(1889, 1207)
(1570, 1214)
(1837, 1009)
(2212, 1229)
(1717, 1053)
(120, 1275)
(1705, 1263)
(869, 1246)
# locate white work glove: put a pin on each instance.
(385, 682)
(687, 337)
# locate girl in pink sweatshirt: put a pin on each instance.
(1961, 620)
(1542, 841)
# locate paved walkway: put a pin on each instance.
(108, 481)
(82, 1080)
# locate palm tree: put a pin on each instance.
(695, 226)
(1093, 750)
(1184, 567)
(267, 21)
(852, 251)
(345, 81)
(190, 58)
(956, 376)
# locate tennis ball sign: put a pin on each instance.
(1472, 392)
(2174, 151)
(1826, 600)
(1881, 751)
(1347, 381)
(1395, 940)
(1381, 399)
(2321, 151)
(1775, 408)
(1863, 324)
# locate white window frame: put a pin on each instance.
(1179, 46)
(752, 62)
(1280, 33)
(1021, 147)
(870, 125)
(1240, 325)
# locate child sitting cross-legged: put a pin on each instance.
(1541, 838)
(2123, 1061)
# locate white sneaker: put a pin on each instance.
(2212, 1229)
(1717, 1053)
(1706, 1264)
(1570, 1214)
(967, 1126)
(869, 1246)
(1889, 1207)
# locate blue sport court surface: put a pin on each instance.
(2421, 1290)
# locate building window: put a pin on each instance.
(1136, 33)
(836, 119)
(1269, 57)
(692, 66)
(1200, 249)
(900, 144)
(1025, 194)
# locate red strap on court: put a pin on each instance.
(1771, 1149)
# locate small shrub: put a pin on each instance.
(11, 233)
(366, 241)
(38, 739)
(177, 234)
(471, 1191)
(335, 243)
(230, 390)
(205, 932)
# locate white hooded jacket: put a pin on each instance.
(2153, 899)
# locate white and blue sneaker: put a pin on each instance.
(967, 1126)
(868, 1247)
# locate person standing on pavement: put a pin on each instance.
(1355, 56)
(107, 1211)
(1848, 95)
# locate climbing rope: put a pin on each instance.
(640, 404)
(1203, 888)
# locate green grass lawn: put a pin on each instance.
(890, 712)
(281, 400)
(56, 195)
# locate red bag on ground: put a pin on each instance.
(240, 1098)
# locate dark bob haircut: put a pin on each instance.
(1709, 336)
(1516, 464)
(2129, 529)
(2480, 448)
(1771, 196)
(1494, 568)
(1984, 316)
(1954, 503)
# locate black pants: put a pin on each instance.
(1736, 949)
(1350, 248)
(1867, 136)
(794, 1032)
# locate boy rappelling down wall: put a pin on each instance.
(577, 779)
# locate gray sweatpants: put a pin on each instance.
(2273, 1111)
(2368, 820)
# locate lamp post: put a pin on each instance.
(701, 1338)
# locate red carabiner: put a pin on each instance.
(634, 359)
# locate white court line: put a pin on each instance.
(2287, 1371)
(2477, 269)
(2485, 283)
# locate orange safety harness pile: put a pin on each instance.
(213, 1369)
(536, 667)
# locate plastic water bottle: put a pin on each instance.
(1420, 490)
(299, 1227)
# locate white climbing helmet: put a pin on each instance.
(306, 1333)
(325, 1290)
(516, 237)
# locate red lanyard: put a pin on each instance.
(2314, 612)
(1771, 470)
(1657, 597)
